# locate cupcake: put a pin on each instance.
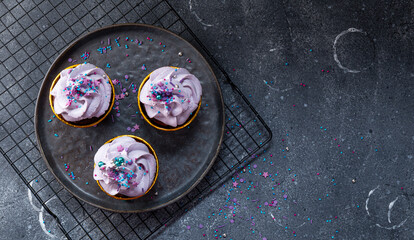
(169, 98)
(126, 167)
(82, 95)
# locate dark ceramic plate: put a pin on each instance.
(185, 156)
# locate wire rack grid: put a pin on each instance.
(32, 33)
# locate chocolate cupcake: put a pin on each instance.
(82, 95)
(126, 167)
(169, 98)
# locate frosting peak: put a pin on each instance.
(170, 95)
(82, 92)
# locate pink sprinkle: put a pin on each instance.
(317, 173)
(120, 148)
(188, 227)
(285, 196)
(128, 129)
(255, 166)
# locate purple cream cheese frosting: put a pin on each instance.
(125, 167)
(170, 95)
(82, 92)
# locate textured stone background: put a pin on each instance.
(353, 119)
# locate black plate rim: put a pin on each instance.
(53, 66)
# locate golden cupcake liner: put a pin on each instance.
(100, 119)
(153, 122)
(138, 139)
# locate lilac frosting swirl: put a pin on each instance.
(125, 167)
(82, 92)
(170, 95)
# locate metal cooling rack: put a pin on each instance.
(32, 33)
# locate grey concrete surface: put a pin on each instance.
(334, 81)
